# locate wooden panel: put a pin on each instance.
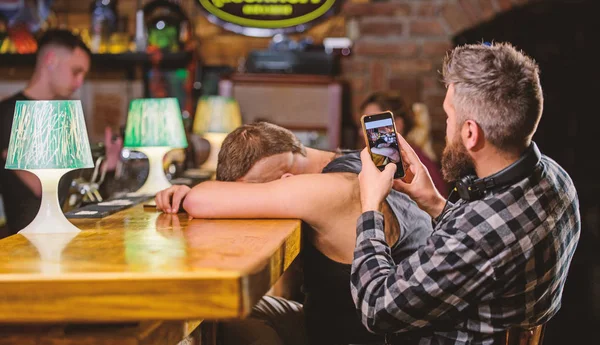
(290, 79)
(144, 265)
(294, 106)
(296, 102)
(145, 333)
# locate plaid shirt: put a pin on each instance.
(489, 265)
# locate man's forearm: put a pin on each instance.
(202, 201)
(370, 269)
(217, 199)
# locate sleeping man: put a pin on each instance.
(265, 172)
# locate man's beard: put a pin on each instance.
(456, 161)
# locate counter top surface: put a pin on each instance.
(140, 264)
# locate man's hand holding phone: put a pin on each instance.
(417, 182)
(374, 185)
(381, 140)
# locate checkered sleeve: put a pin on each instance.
(432, 285)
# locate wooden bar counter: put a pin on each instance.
(140, 267)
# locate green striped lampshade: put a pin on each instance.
(155, 122)
(49, 135)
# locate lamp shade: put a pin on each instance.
(217, 114)
(155, 122)
(49, 135)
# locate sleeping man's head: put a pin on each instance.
(260, 152)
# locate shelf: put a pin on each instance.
(281, 78)
(169, 60)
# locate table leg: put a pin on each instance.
(209, 333)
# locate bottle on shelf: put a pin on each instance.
(120, 40)
(141, 35)
(103, 21)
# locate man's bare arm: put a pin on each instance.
(307, 197)
(29, 179)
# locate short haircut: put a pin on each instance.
(498, 87)
(62, 38)
(250, 143)
(392, 101)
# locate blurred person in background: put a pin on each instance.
(62, 63)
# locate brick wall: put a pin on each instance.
(399, 44)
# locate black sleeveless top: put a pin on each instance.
(331, 317)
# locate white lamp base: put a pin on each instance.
(50, 217)
(215, 140)
(157, 180)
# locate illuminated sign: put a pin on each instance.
(267, 17)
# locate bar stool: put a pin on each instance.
(525, 336)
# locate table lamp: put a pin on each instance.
(154, 127)
(49, 139)
(216, 116)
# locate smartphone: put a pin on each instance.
(382, 141)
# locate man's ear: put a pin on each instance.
(471, 134)
(286, 175)
(50, 59)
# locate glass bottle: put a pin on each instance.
(103, 24)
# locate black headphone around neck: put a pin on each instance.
(471, 188)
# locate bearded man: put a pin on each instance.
(498, 258)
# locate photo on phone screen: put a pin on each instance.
(383, 142)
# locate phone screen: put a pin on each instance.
(380, 133)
